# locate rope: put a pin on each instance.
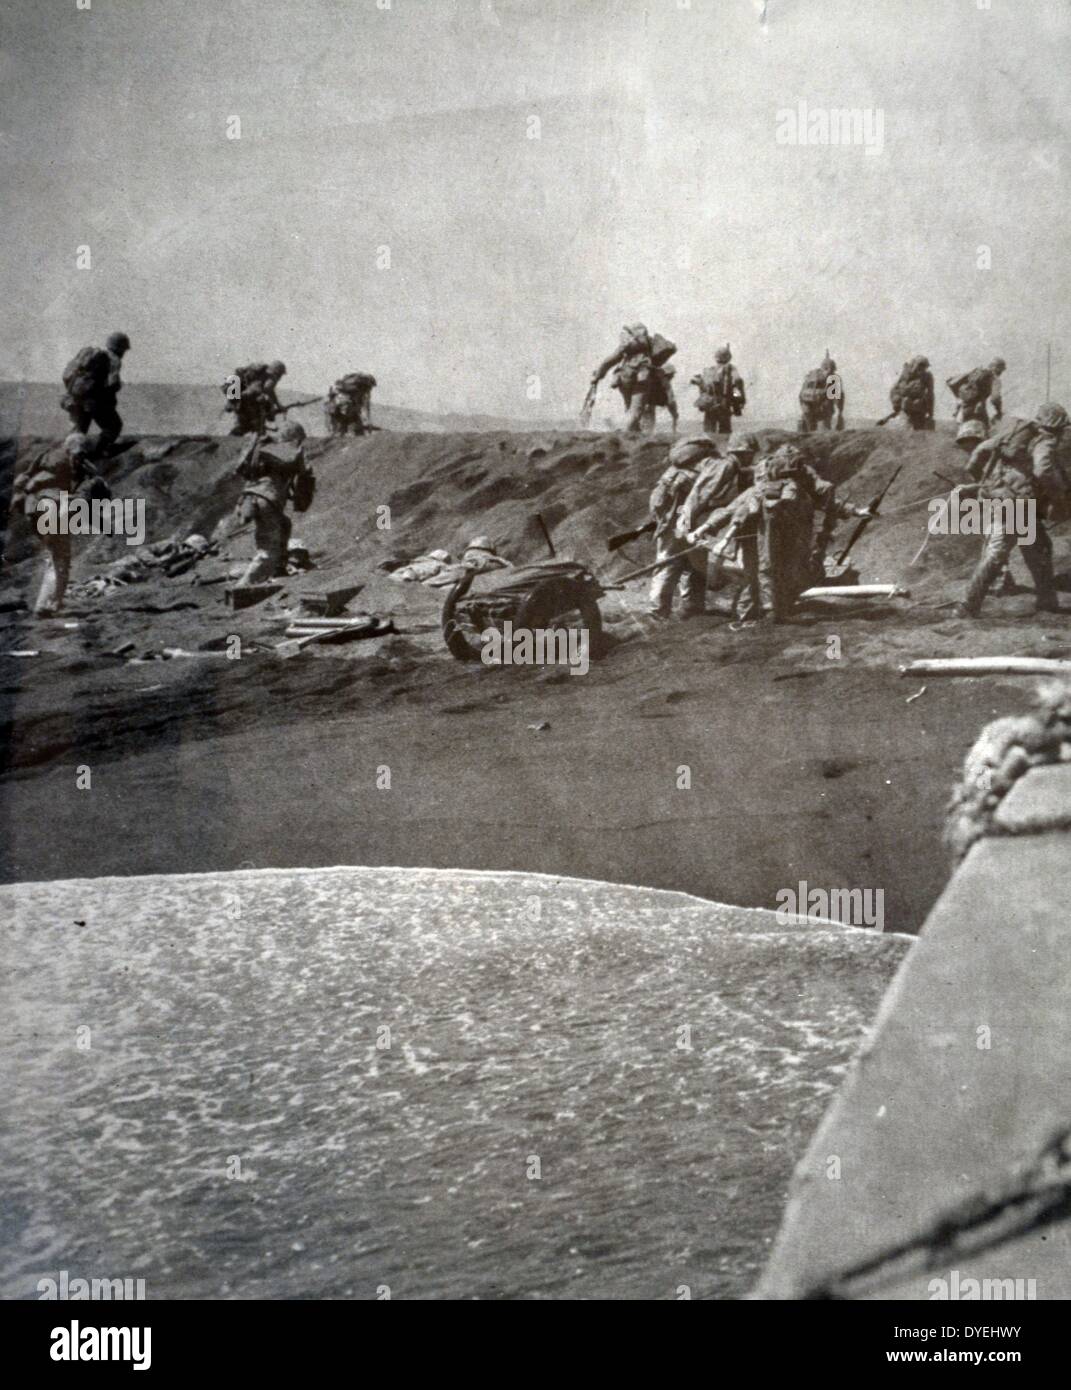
(1031, 1196)
(1005, 751)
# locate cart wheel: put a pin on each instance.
(563, 605)
(457, 633)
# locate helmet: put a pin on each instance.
(197, 542)
(117, 342)
(998, 364)
(76, 444)
(481, 543)
(973, 431)
(828, 365)
(922, 362)
(742, 444)
(277, 368)
(1052, 417)
(690, 451)
(723, 355)
(291, 432)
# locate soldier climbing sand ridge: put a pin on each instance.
(976, 391)
(275, 472)
(820, 497)
(721, 393)
(92, 384)
(968, 437)
(1021, 464)
(349, 404)
(911, 395)
(251, 396)
(773, 522)
(719, 482)
(643, 375)
(822, 398)
(688, 572)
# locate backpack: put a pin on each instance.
(303, 490)
(669, 495)
(776, 492)
(355, 384)
(813, 390)
(661, 349)
(911, 386)
(87, 372)
(1015, 441)
(250, 375)
(972, 387)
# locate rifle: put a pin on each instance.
(296, 405)
(865, 521)
(623, 538)
(546, 536)
(719, 560)
(589, 405)
(886, 418)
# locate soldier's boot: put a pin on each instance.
(977, 588)
(995, 557)
(1038, 560)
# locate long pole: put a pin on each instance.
(1048, 372)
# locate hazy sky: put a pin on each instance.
(657, 190)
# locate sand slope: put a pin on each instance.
(804, 766)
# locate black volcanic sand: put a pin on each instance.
(801, 767)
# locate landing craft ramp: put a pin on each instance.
(951, 1110)
(586, 1090)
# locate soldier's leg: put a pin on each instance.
(110, 424)
(636, 402)
(998, 548)
(267, 537)
(1038, 560)
(664, 579)
(671, 405)
(57, 550)
(81, 416)
(747, 551)
(694, 583)
(282, 557)
(774, 555)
